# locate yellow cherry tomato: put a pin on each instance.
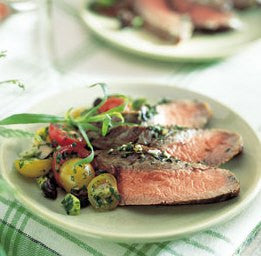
(103, 192)
(41, 136)
(76, 112)
(74, 176)
(33, 167)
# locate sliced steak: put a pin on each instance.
(212, 147)
(187, 113)
(151, 178)
(160, 20)
(203, 16)
(242, 4)
(218, 4)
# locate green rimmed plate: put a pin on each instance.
(201, 48)
(139, 224)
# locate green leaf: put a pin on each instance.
(95, 109)
(14, 82)
(88, 159)
(26, 118)
(14, 133)
(106, 125)
(106, 3)
(138, 103)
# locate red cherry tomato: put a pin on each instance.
(110, 103)
(62, 155)
(59, 135)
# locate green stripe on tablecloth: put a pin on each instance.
(131, 249)
(165, 246)
(64, 234)
(3, 228)
(29, 243)
(2, 252)
(12, 232)
(217, 235)
(249, 239)
(18, 238)
(198, 245)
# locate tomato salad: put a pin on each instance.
(61, 156)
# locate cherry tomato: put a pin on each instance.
(63, 137)
(110, 103)
(75, 177)
(63, 155)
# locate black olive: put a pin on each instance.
(125, 17)
(49, 189)
(97, 102)
(82, 195)
(99, 171)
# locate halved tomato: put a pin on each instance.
(63, 136)
(110, 103)
(62, 155)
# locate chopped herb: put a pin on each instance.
(71, 204)
(138, 103)
(147, 112)
(137, 22)
(164, 101)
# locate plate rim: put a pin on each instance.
(156, 56)
(164, 236)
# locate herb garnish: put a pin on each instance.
(85, 122)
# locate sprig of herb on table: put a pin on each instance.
(11, 81)
(14, 82)
(2, 54)
(85, 122)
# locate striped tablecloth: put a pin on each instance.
(79, 60)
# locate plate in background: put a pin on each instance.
(201, 47)
(138, 223)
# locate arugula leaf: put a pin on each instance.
(26, 118)
(14, 133)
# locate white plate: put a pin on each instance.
(140, 223)
(202, 47)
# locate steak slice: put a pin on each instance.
(187, 113)
(151, 177)
(203, 16)
(243, 4)
(160, 20)
(212, 147)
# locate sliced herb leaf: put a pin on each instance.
(31, 119)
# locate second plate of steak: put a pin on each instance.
(204, 16)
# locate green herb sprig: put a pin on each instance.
(14, 82)
(87, 121)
